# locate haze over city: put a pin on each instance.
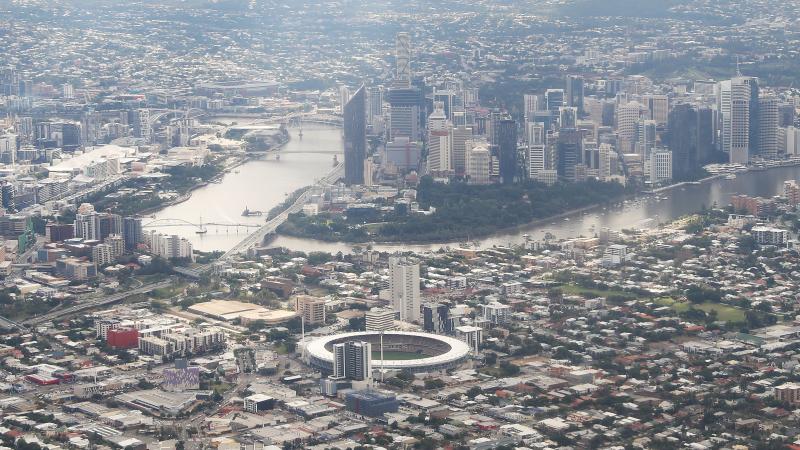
(385, 224)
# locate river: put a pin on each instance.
(259, 185)
(263, 184)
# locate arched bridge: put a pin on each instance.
(166, 222)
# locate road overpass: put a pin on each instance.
(93, 303)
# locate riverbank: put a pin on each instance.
(456, 212)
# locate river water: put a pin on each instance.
(263, 184)
(259, 185)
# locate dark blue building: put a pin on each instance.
(371, 403)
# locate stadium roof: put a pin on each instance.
(458, 349)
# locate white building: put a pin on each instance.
(733, 103)
(479, 164)
(380, 319)
(496, 312)
(404, 288)
(615, 255)
(660, 165)
(770, 236)
(537, 146)
(440, 140)
(628, 116)
(169, 246)
(352, 360)
(473, 336)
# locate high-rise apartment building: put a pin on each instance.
(352, 360)
(132, 232)
(310, 308)
(435, 318)
(660, 165)
(646, 134)
(404, 288)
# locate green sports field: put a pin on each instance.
(396, 356)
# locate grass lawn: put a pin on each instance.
(724, 312)
(571, 289)
(397, 356)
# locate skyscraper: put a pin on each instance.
(567, 117)
(352, 360)
(375, 102)
(569, 153)
(733, 102)
(536, 149)
(574, 97)
(690, 138)
(554, 99)
(355, 137)
(657, 108)
(768, 120)
(404, 113)
(132, 232)
(628, 114)
(530, 106)
(404, 288)
(403, 59)
(645, 137)
(439, 140)
(507, 147)
(459, 154)
(435, 318)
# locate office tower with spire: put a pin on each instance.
(403, 59)
(404, 288)
(406, 101)
(440, 139)
(355, 137)
(733, 103)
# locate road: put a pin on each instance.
(93, 303)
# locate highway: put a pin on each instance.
(86, 304)
(8, 323)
